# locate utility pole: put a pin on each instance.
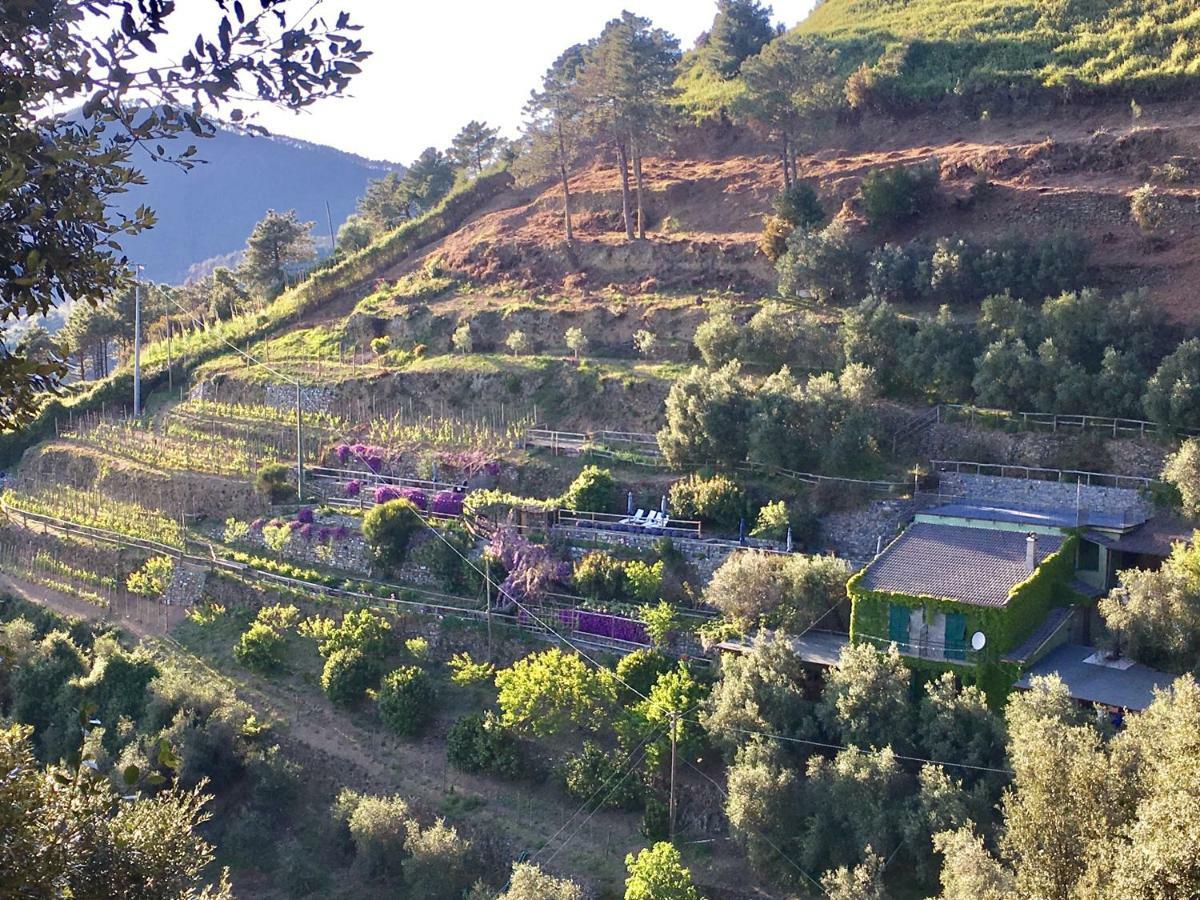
(487, 577)
(299, 448)
(329, 220)
(170, 378)
(671, 807)
(137, 344)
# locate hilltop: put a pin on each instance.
(980, 52)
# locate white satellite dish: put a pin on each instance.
(978, 639)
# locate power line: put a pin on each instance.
(795, 865)
(842, 747)
(529, 612)
(635, 762)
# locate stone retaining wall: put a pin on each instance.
(704, 556)
(1034, 492)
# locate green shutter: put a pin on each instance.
(898, 624)
(956, 636)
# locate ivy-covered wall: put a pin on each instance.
(1005, 627)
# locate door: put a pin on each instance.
(956, 636)
(898, 625)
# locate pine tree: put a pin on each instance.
(625, 85)
(474, 146)
(552, 133)
(276, 242)
(429, 178)
(740, 30)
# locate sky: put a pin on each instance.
(437, 65)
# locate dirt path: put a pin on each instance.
(139, 617)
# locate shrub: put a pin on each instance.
(479, 743)
(548, 691)
(378, 828)
(235, 531)
(359, 629)
(717, 338)
(576, 340)
(640, 670)
(381, 345)
(772, 242)
(1173, 395)
(1148, 208)
(153, 578)
(780, 591)
(643, 580)
(461, 340)
(591, 491)
(437, 864)
(406, 700)
(600, 576)
(517, 342)
(716, 500)
(418, 647)
(347, 675)
(827, 263)
(466, 672)
(645, 342)
(707, 416)
(799, 206)
(594, 771)
(894, 195)
(772, 521)
(661, 622)
(388, 528)
(1182, 471)
(260, 648)
(273, 482)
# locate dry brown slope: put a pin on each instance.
(1072, 171)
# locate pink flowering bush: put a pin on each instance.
(353, 487)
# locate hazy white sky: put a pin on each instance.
(438, 64)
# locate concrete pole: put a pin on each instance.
(137, 346)
(299, 448)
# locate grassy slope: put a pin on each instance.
(1151, 45)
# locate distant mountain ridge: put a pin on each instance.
(209, 211)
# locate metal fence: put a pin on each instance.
(1065, 476)
(1054, 422)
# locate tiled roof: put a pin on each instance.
(971, 565)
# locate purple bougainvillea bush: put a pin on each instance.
(448, 503)
(387, 492)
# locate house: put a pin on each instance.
(991, 590)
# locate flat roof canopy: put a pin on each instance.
(1129, 688)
